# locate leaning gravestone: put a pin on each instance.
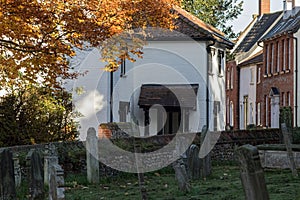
(7, 177)
(52, 183)
(287, 140)
(181, 175)
(194, 163)
(206, 161)
(35, 175)
(56, 183)
(252, 174)
(92, 156)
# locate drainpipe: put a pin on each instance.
(111, 96)
(208, 49)
(296, 80)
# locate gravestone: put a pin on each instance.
(50, 158)
(52, 183)
(194, 163)
(92, 156)
(206, 161)
(17, 170)
(287, 141)
(181, 175)
(7, 177)
(252, 174)
(35, 175)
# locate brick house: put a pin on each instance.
(279, 73)
(245, 51)
(276, 68)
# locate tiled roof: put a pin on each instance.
(257, 31)
(174, 95)
(189, 26)
(257, 58)
(291, 24)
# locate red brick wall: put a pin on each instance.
(232, 92)
(283, 80)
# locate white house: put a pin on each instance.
(178, 85)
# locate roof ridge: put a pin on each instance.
(197, 21)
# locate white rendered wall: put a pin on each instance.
(247, 88)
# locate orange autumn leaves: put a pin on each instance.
(38, 36)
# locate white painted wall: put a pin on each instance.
(167, 62)
(248, 88)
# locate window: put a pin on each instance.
(123, 110)
(245, 111)
(231, 78)
(252, 75)
(231, 122)
(271, 59)
(220, 61)
(283, 56)
(288, 98)
(209, 52)
(278, 57)
(267, 110)
(267, 59)
(228, 78)
(288, 54)
(251, 113)
(258, 114)
(283, 99)
(123, 67)
(258, 74)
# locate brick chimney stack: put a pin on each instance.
(264, 7)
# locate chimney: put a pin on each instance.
(288, 4)
(264, 7)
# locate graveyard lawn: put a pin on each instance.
(224, 183)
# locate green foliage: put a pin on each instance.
(286, 115)
(31, 114)
(216, 12)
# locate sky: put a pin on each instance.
(250, 8)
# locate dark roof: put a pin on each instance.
(189, 26)
(258, 30)
(291, 24)
(257, 58)
(173, 95)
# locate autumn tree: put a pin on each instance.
(37, 37)
(216, 12)
(32, 114)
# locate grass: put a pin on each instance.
(224, 184)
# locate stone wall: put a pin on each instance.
(72, 155)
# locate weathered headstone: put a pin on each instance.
(35, 175)
(7, 177)
(252, 174)
(50, 158)
(56, 183)
(52, 183)
(206, 161)
(17, 171)
(194, 163)
(181, 175)
(92, 156)
(287, 141)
